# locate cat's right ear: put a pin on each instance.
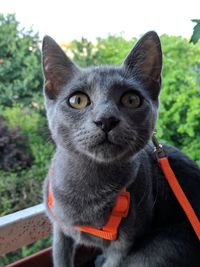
(58, 69)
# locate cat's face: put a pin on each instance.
(105, 112)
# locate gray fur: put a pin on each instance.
(87, 176)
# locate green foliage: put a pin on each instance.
(84, 52)
(20, 71)
(113, 49)
(110, 50)
(24, 186)
(179, 117)
(196, 31)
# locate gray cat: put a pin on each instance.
(102, 120)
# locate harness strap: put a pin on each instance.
(50, 197)
(110, 230)
(180, 195)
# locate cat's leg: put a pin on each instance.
(116, 253)
(100, 261)
(63, 248)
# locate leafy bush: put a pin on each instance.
(13, 149)
(22, 189)
(179, 117)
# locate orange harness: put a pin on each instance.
(120, 210)
(110, 230)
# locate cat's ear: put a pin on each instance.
(145, 61)
(58, 69)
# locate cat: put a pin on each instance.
(102, 119)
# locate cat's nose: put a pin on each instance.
(107, 124)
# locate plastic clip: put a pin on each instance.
(158, 148)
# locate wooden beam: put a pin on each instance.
(22, 228)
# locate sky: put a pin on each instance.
(73, 19)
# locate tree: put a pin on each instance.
(20, 67)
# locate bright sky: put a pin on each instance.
(72, 19)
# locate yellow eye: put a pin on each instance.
(130, 100)
(79, 101)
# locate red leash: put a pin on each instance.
(176, 188)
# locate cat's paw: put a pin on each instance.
(100, 261)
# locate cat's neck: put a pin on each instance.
(84, 171)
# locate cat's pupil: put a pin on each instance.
(79, 100)
(130, 99)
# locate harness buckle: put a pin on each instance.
(122, 205)
(159, 151)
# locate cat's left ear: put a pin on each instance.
(145, 62)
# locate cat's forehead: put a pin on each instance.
(102, 80)
(102, 76)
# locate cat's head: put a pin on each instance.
(105, 112)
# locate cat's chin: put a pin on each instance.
(108, 156)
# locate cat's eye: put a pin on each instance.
(130, 100)
(79, 101)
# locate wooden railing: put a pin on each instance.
(22, 228)
(27, 226)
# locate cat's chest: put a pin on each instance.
(74, 211)
(80, 205)
(86, 196)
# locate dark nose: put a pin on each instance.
(107, 124)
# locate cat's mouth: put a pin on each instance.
(105, 149)
(106, 141)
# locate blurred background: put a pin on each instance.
(91, 33)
